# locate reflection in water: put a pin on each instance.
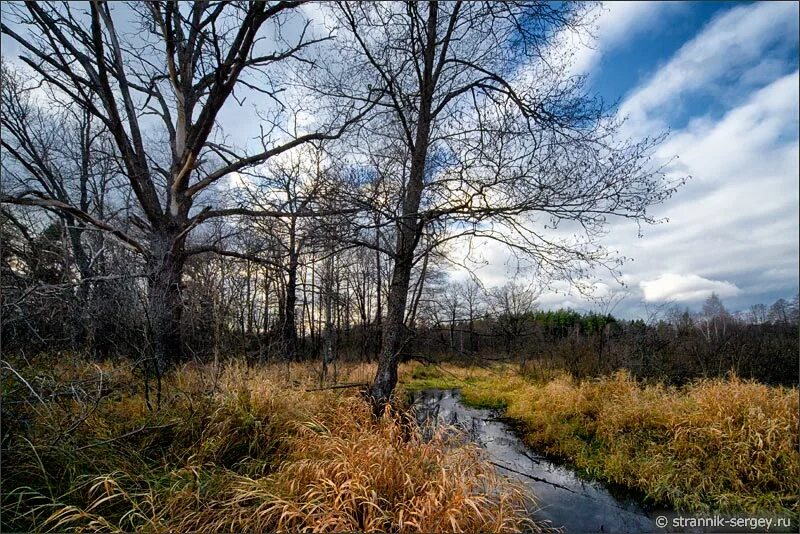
(564, 499)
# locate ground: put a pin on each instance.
(245, 448)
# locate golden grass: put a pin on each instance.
(239, 449)
(726, 445)
(350, 473)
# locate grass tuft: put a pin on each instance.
(235, 449)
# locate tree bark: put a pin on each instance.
(165, 270)
(289, 327)
(393, 336)
(378, 285)
(329, 346)
(409, 232)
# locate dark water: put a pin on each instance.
(567, 501)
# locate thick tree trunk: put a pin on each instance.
(394, 334)
(409, 231)
(165, 269)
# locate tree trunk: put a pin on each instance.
(408, 235)
(453, 331)
(328, 351)
(165, 268)
(393, 335)
(472, 344)
(418, 295)
(409, 231)
(378, 286)
(289, 329)
(88, 321)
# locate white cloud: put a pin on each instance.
(739, 213)
(616, 23)
(730, 51)
(716, 150)
(735, 221)
(685, 288)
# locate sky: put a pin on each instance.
(722, 79)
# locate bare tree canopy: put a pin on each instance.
(488, 138)
(157, 88)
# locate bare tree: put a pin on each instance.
(475, 307)
(757, 314)
(156, 76)
(487, 133)
(513, 304)
(780, 312)
(63, 151)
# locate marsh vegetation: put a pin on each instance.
(232, 234)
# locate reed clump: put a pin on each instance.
(726, 445)
(234, 448)
(349, 473)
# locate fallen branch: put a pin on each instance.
(537, 479)
(340, 386)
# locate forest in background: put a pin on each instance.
(235, 308)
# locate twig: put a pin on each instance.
(537, 479)
(340, 386)
(88, 414)
(8, 366)
(127, 434)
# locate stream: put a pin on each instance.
(564, 499)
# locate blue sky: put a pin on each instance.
(657, 34)
(722, 78)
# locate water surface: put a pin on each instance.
(565, 499)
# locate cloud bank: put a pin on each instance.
(685, 288)
(730, 95)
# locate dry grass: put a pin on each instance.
(725, 445)
(349, 473)
(242, 449)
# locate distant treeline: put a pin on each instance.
(676, 347)
(239, 309)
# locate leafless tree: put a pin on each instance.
(512, 304)
(758, 314)
(780, 312)
(156, 76)
(475, 306)
(488, 134)
(62, 151)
